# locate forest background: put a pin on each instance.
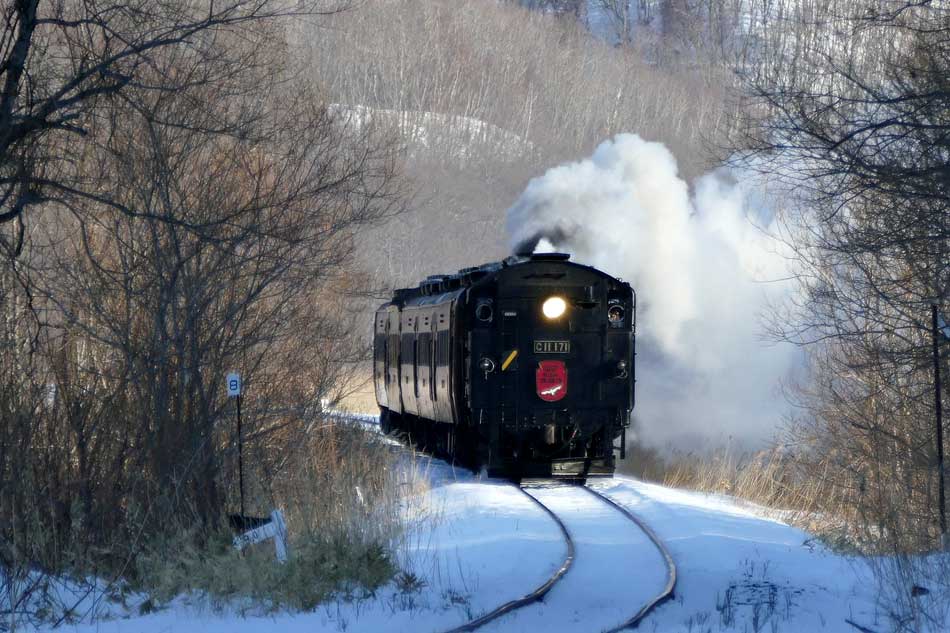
(186, 189)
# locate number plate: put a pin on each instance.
(552, 347)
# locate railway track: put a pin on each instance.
(540, 494)
(646, 606)
(538, 593)
(667, 592)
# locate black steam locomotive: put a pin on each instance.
(523, 367)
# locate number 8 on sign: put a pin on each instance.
(234, 384)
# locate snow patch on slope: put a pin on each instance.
(456, 136)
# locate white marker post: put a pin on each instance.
(275, 529)
(234, 391)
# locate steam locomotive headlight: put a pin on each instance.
(615, 314)
(486, 364)
(553, 307)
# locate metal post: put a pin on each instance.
(944, 541)
(240, 455)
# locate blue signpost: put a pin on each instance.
(939, 325)
(234, 391)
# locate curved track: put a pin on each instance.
(538, 593)
(647, 606)
(667, 592)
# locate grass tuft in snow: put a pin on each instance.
(316, 571)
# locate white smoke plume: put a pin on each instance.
(702, 270)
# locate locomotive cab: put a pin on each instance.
(551, 367)
(523, 367)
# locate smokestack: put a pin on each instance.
(541, 241)
(526, 247)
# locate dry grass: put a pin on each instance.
(769, 478)
(341, 490)
(348, 496)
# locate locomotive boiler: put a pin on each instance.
(524, 368)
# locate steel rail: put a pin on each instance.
(667, 592)
(538, 593)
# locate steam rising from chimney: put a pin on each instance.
(697, 264)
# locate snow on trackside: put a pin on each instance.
(476, 544)
(740, 569)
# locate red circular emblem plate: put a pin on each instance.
(551, 380)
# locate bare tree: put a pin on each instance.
(848, 108)
(138, 315)
(60, 59)
(864, 138)
(627, 17)
(575, 8)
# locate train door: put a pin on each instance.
(448, 370)
(393, 392)
(425, 375)
(407, 359)
(433, 363)
(380, 357)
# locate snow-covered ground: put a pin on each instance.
(740, 570)
(477, 544)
